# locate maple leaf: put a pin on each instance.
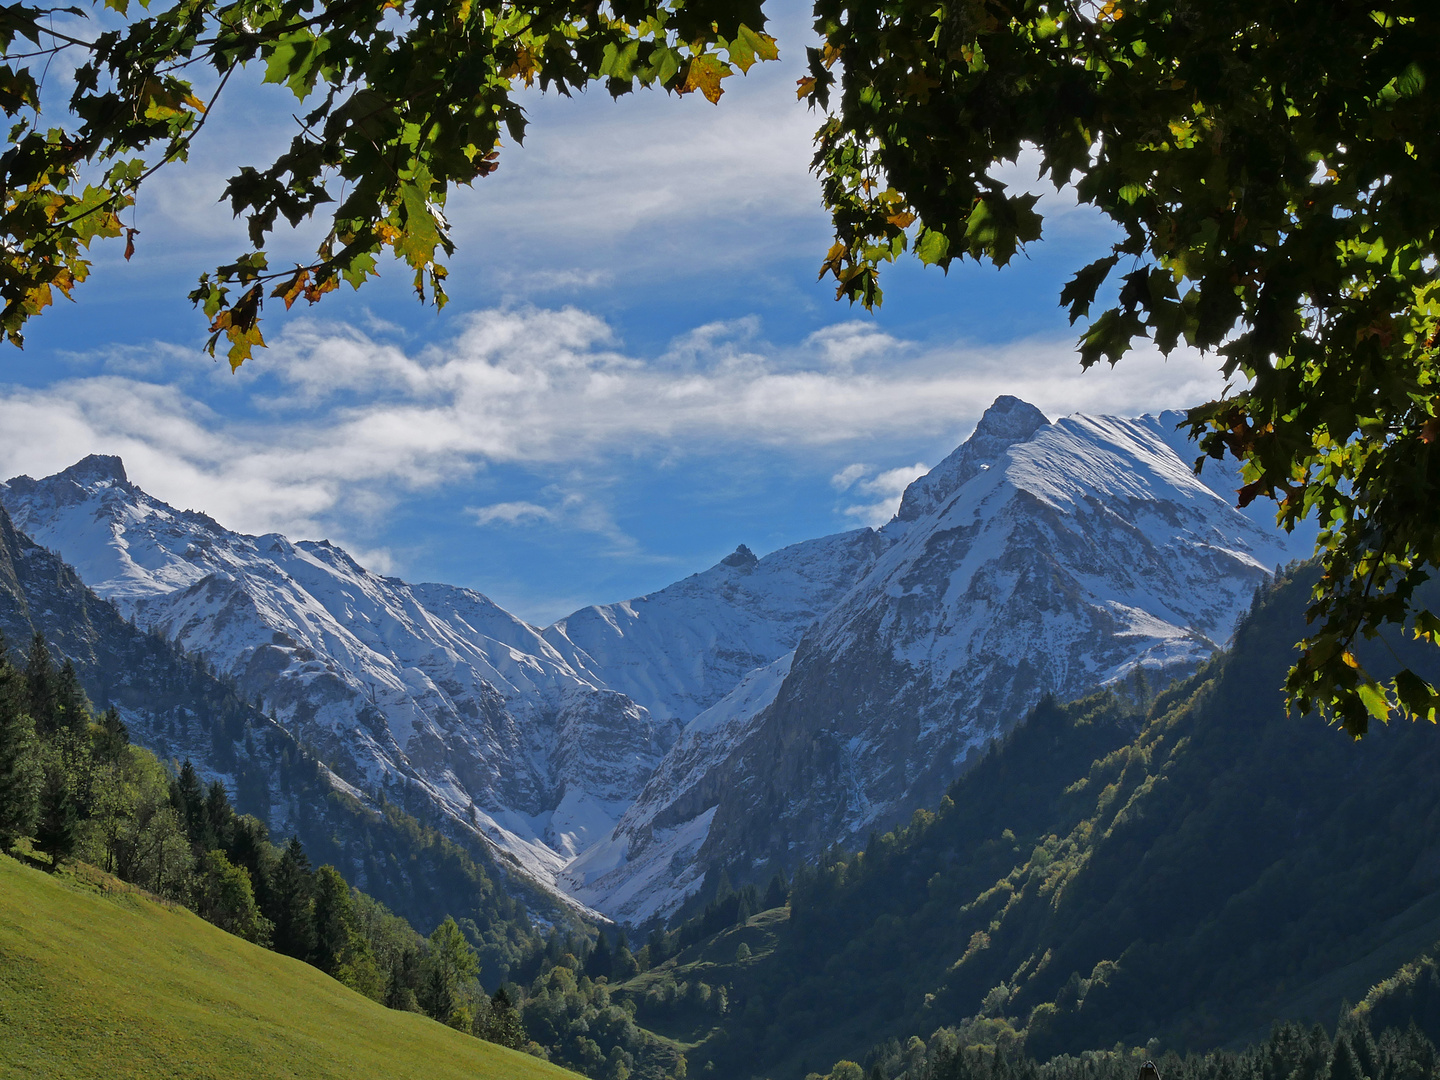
(704, 74)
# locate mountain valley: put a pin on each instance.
(745, 718)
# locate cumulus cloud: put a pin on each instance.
(342, 419)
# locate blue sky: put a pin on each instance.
(637, 370)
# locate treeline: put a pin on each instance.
(1292, 1052)
(73, 787)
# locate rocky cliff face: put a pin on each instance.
(747, 716)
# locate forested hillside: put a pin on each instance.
(1188, 869)
(174, 705)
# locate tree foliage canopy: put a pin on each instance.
(1270, 165)
(403, 99)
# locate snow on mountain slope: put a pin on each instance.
(1038, 558)
(525, 737)
(824, 690)
(425, 685)
(680, 650)
(648, 863)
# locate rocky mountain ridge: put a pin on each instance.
(746, 716)
(1037, 559)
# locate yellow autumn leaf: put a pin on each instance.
(704, 74)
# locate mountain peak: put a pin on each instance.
(95, 468)
(1010, 419)
(1006, 422)
(741, 558)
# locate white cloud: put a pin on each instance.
(846, 477)
(573, 510)
(347, 421)
(884, 488)
(511, 513)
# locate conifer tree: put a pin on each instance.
(40, 686)
(745, 908)
(1343, 1063)
(334, 921)
(219, 815)
(601, 961)
(112, 738)
(291, 895)
(403, 981)
(776, 893)
(504, 1026)
(250, 847)
(188, 798)
(58, 819)
(449, 966)
(20, 772)
(72, 707)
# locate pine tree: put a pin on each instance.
(188, 798)
(601, 961)
(746, 907)
(504, 1026)
(334, 921)
(41, 699)
(219, 815)
(1343, 1063)
(776, 894)
(56, 830)
(449, 966)
(292, 898)
(404, 979)
(72, 707)
(113, 737)
(20, 771)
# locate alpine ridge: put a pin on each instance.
(746, 717)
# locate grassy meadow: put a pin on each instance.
(98, 980)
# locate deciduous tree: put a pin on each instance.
(1270, 167)
(400, 102)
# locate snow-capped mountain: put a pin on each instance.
(527, 737)
(749, 715)
(1038, 558)
(680, 650)
(386, 680)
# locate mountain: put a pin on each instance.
(1184, 871)
(394, 685)
(748, 716)
(1038, 559)
(174, 704)
(680, 650)
(432, 693)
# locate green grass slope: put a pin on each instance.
(100, 982)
